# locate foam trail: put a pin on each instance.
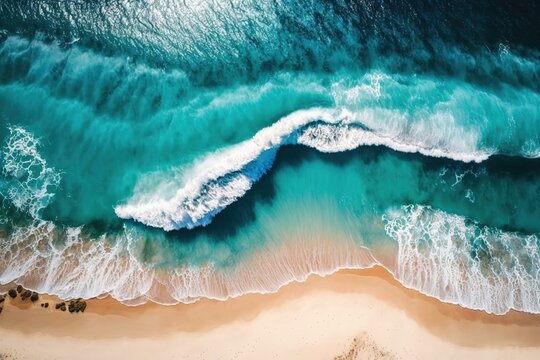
(29, 183)
(457, 261)
(438, 254)
(223, 177)
(76, 266)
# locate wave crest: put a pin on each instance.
(221, 178)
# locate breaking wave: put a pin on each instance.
(461, 262)
(220, 178)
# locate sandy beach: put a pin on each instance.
(362, 314)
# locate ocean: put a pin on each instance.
(167, 150)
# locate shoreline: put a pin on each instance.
(351, 310)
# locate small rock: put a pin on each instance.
(1, 308)
(63, 307)
(76, 306)
(19, 289)
(2, 299)
(12, 293)
(26, 294)
(46, 305)
(34, 297)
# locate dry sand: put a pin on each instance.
(363, 314)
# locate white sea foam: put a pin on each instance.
(438, 254)
(221, 178)
(461, 262)
(73, 266)
(29, 183)
(51, 260)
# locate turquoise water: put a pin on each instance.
(221, 151)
